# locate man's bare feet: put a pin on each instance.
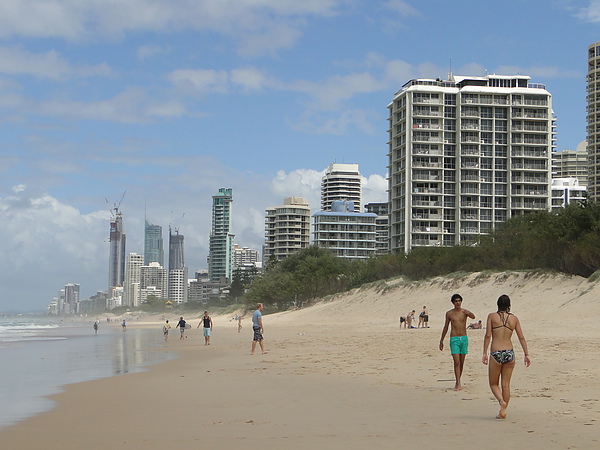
(264, 353)
(458, 387)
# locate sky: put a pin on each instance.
(165, 102)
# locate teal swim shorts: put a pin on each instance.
(459, 344)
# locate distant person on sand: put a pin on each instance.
(239, 324)
(459, 342)
(257, 327)
(424, 318)
(206, 321)
(499, 329)
(475, 326)
(96, 325)
(181, 324)
(409, 319)
(124, 325)
(402, 321)
(166, 328)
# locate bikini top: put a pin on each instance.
(504, 321)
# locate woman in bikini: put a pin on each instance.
(499, 329)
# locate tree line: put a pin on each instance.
(567, 242)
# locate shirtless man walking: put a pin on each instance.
(459, 342)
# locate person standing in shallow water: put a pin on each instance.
(499, 330)
(459, 342)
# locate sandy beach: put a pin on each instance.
(341, 374)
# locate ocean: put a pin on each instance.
(41, 355)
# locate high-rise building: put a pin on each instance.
(341, 182)
(116, 262)
(220, 256)
(464, 155)
(153, 281)
(244, 256)
(571, 164)
(131, 287)
(346, 233)
(178, 273)
(382, 225)
(593, 120)
(153, 244)
(72, 298)
(287, 228)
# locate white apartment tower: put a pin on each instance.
(131, 287)
(153, 281)
(287, 228)
(341, 182)
(465, 154)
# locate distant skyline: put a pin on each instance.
(171, 101)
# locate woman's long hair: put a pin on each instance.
(504, 303)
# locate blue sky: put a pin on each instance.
(171, 100)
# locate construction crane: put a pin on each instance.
(115, 209)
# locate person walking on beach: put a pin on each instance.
(166, 328)
(207, 322)
(124, 325)
(181, 324)
(459, 342)
(499, 329)
(96, 325)
(425, 314)
(257, 327)
(239, 324)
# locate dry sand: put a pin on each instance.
(341, 374)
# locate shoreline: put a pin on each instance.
(341, 374)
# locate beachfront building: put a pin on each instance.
(593, 120)
(565, 191)
(116, 261)
(153, 281)
(571, 163)
(465, 154)
(131, 286)
(153, 244)
(220, 252)
(341, 182)
(69, 299)
(287, 228)
(178, 272)
(382, 226)
(348, 234)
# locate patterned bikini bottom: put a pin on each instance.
(503, 356)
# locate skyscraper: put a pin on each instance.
(464, 155)
(116, 263)
(178, 283)
(220, 256)
(131, 287)
(341, 182)
(153, 244)
(287, 228)
(593, 120)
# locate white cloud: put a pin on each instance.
(590, 13)
(16, 61)
(200, 80)
(401, 7)
(540, 71)
(258, 26)
(148, 51)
